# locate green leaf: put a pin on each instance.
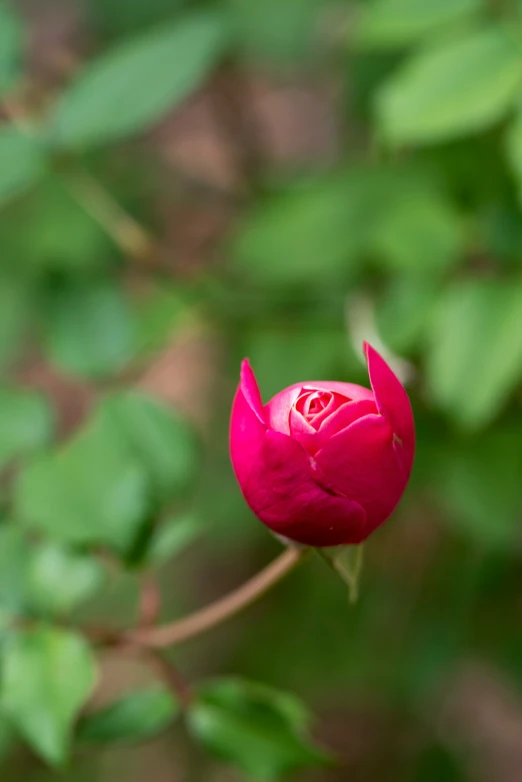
(90, 491)
(119, 17)
(475, 353)
(155, 436)
(11, 41)
(513, 149)
(15, 302)
(438, 762)
(477, 483)
(311, 234)
(172, 537)
(136, 717)
(7, 738)
(14, 561)
(404, 310)
(390, 23)
(418, 231)
(90, 329)
(348, 562)
(47, 676)
(26, 423)
(22, 161)
(159, 316)
(60, 579)
(64, 239)
(257, 728)
(131, 87)
(458, 86)
(289, 40)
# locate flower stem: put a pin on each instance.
(224, 608)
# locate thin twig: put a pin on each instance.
(212, 615)
(126, 232)
(150, 601)
(169, 673)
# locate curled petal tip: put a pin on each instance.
(250, 389)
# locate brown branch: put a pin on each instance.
(212, 615)
(169, 673)
(150, 602)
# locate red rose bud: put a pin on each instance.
(324, 463)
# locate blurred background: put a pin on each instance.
(183, 184)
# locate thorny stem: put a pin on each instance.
(199, 622)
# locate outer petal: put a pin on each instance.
(392, 402)
(286, 492)
(361, 463)
(247, 424)
(278, 409)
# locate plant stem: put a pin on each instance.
(212, 615)
(125, 231)
(168, 672)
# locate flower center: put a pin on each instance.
(315, 405)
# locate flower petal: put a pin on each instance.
(361, 462)
(313, 439)
(247, 425)
(391, 398)
(277, 410)
(250, 389)
(286, 491)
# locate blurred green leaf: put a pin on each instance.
(438, 763)
(22, 161)
(60, 579)
(477, 483)
(173, 536)
(119, 17)
(159, 316)
(26, 423)
(418, 231)
(461, 85)
(92, 490)
(513, 148)
(129, 88)
(389, 23)
(47, 676)
(257, 728)
(155, 436)
(63, 239)
(499, 229)
(289, 39)
(11, 40)
(311, 234)
(7, 737)
(321, 231)
(14, 562)
(475, 354)
(90, 329)
(136, 717)
(403, 311)
(133, 456)
(15, 301)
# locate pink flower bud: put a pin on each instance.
(324, 463)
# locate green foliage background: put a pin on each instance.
(185, 183)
